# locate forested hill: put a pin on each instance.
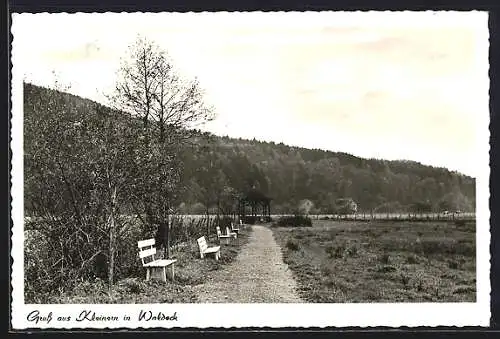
(291, 174)
(213, 165)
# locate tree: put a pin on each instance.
(149, 88)
(305, 206)
(345, 206)
(76, 169)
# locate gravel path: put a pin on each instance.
(258, 275)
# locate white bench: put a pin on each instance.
(204, 249)
(233, 235)
(155, 268)
(224, 238)
(234, 229)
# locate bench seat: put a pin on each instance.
(160, 263)
(212, 249)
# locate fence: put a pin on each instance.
(466, 216)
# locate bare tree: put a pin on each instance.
(148, 87)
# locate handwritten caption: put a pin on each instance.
(37, 317)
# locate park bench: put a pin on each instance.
(155, 268)
(233, 235)
(204, 249)
(224, 238)
(234, 229)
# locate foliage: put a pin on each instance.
(90, 169)
(305, 206)
(345, 206)
(292, 245)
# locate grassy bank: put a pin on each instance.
(382, 261)
(190, 270)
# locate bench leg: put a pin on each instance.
(171, 272)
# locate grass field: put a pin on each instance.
(336, 261)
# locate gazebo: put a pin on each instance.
(259, 203)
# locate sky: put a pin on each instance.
(387, 85)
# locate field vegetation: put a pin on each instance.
(339, 261)
(130, 285)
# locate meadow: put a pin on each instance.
(381, 261)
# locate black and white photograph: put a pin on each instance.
(221, 169)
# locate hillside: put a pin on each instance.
(213, 164)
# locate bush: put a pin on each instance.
(405, 279)
(250, 219)
(292, 245)
(384, 258)
(412, 259)
(386, 269)
(295, 221)
(341, 251)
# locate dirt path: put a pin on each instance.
(258, 275)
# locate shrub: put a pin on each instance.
(419, 285)
(464, 290)
(386, 268)
(292, 245)
(351, 251)
(412, 259)
(405, 279)
(295, 221)
(326, 271)
(384, 258)
(334, 252)
(249, 219)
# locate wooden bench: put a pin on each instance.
(155, 268)
(234, 229)
(233, 235)
(204, 249)
(223, 238)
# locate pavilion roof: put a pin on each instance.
(254, 195)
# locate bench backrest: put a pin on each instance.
(147, 250)
(202, 244)
(227, 230)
